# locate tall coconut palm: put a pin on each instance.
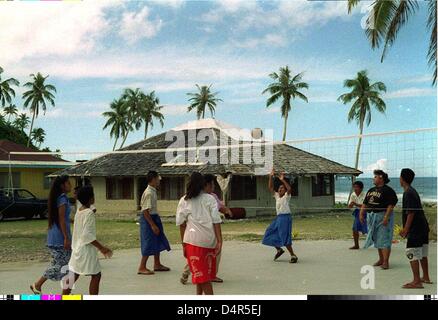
(117, 119)
(38, 136)
(286, 87)
(38, 95)
(6, 90)
(151, 111)
(363, 96)
(134, 100)
(203, 99)
(21, 122)
(386, 19)
(10, 110)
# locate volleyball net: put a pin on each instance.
(388, 151)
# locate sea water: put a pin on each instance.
(425, 186)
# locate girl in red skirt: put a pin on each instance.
(198, 217)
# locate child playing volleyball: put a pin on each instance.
(279, 233)
(198, 217)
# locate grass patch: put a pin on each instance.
(25, 239)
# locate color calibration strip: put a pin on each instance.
(37, 297)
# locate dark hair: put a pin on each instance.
(358, 183)
(407, 175)
(383, 174)
(52, 203)
(151, 175)
(85, 194)
(278, 183)
(209, 178)
(195, 185)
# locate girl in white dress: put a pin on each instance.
(84, 258)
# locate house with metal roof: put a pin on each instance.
(119, 177)
(29, 171)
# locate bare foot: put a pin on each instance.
(426, 280)
(145, 272)
(161, 268)
(354, 248)
(378, 263)
(413, 285)
(385, 266)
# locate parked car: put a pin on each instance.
(21, 203)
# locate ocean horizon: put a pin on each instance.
(425, 186)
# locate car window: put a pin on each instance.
(23, 194)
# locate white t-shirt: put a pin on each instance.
(79, 205)
(149, 200)
(358, 199)
(84, 259)
(282, 203)
(200, 213)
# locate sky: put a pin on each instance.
(92, 50)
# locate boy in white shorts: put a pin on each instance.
(416, 230)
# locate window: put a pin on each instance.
(322, 185)
(24, 194)
(46, 180)
(171, 188)
(120, 188)
(243, 188)
(4, 180)
(294, 186)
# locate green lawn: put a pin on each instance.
(25, 240)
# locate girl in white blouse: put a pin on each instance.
(199, 220)
(84, 257)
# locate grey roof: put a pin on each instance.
(286, 158)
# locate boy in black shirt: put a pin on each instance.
(416, 230)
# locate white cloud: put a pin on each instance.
(174, 110)
(136, 26)
(175, 4)
(234, 6)
(270, 40)
(75, 110)
(380, 164)
(51, 28)
(411, 92)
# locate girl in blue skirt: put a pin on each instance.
(279, 233)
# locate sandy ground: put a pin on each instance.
(324, 267)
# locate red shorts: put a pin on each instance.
(202, 263)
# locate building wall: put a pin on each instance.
(303, 203)
(105, 205)
(32, 179)
(263, 205)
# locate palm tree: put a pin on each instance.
(38, 135)
(202, 99)
(10, 110)
(151, 111)
(37, 96)
(387, 17)
(134, 100)
(118, 120)
(6, 91)
(363, 95)
(21, 122)
(286, 87)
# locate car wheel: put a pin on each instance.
(43, 215)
